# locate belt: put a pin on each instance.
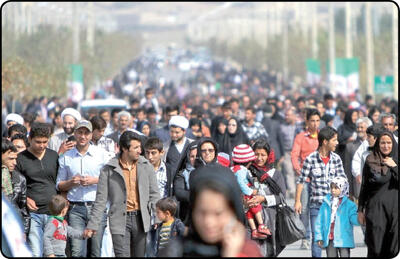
(82, 203)
(133, 212)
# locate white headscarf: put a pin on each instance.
(343, 185)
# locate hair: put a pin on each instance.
(149, 90)
(29, 117)
(18, 128)
(328, 96)
(234, 100)
(365, 120)
(172, 108)
(154, 143)
(385, 115)
(375, 130)
(57, 204)
(126, 138)
(21, 136)
(226, 105)
(114, 111)
(251, 108)
(194, 121)
(326, 133)
(98, 123)
(262, 143)
(124, 113)
(167, 204)
(40, 129)
(312, 112)
(101, 111)
(7, 145)
(150, 110)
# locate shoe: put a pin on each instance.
(264, 230)
(305, 244)
(257, 235)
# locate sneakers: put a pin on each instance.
(257, 235)
(305, 244)
(264, 230)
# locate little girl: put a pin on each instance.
(242, 157)
(335, 221)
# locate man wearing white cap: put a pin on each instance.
(11, 119)
(173, 148)
(60, 142)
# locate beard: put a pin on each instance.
(68, 131)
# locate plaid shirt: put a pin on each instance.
(106, 143)
(321, 175)
(255, 131)
(161, 174)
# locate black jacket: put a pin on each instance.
(18, 198)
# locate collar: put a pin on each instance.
(58, 217)
(89, 152)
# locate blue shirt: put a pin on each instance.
(73, 163)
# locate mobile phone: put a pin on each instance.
(71, 138)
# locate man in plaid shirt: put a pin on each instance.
(253, 128)
(321, 167)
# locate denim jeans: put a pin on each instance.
(315, 249)
(305, 212)
(35, 237)
(78, 217)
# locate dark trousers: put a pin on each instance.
(133, 243)
(336, 251)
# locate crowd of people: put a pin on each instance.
(203, 174)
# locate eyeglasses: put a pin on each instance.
(208, 150)
(232, 125)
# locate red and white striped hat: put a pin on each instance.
(243, 154)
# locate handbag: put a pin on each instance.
(289, 227)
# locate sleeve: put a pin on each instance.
(154, 194)
(99, 205)
(62, 174)
(356, 162)
(181, 228)
(353, 216)
(339, 168)
(295, 154)
(363, 196)
(23, 206)
(263, 131)
(179, 188)
(74, 233)
(305, 171)
(241, 179)
(49, 230)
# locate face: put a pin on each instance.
(141, 116)
(115, 119)
(176, 133)
(210, 218)
(289, 116)
(134, 150)
(329, 103)
(19, 144)
(38, 144)
(313, 123)
(188, 112)
(371, 140)
(69, 124)
(192, 156)
(106, 116)
(354, 117)
(375, 117)
(249, 116)
(98, 133)
(232, 126)
(320, 108)
(170, 114)
(195, 128)
(162, 215)
(235, 106)
(58, 121)
(335, 190)
(361, 130)
(332, 143)
(221, 128)
(207, 152)
(261, 156)
(10, 123)
(388, 123)
(9, 159)
(123, 123)
(154, 156)
(146, 130)
(83, 136)
(246, 101)
(227, 113)
(385, 145)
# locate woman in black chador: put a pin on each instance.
(378, 200)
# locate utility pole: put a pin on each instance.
(314, 31)
(285, 45)
(90, 28)
(395, 52)
(75, 33)
(331, 44)
(370, 50)
(349, 41)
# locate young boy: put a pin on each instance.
(169, 227)
(57, 229)
(335, 221)
(242, 157)
(154, 151)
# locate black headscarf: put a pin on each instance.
(237, 138)
(221, 139)
(375, 160)
(199, 160)
(347, 129)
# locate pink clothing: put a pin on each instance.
(303, 145)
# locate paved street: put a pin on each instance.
(293, 250)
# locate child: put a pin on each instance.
(154, 151)
(57, 229)
(242, 157)
(169, 227)
(336, 218)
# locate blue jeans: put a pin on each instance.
(78, 217)
(305, 212)
(35, 237)
(315, 249)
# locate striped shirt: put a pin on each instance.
(321, 175)
(165, 233)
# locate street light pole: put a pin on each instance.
(370, 50)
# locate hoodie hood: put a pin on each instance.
(199, 160)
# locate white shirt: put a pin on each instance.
(357, 163)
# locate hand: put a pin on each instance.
(88, 233)
(52, 255)
(65, 146)
(233, 238)
(87, 180)
(358, 179)
(389, 162)
(76, 180)
(320, 243)
(254, 192)
(255, 201)
(298, 172)
(31, 204)
(297, 207)
(361, 218)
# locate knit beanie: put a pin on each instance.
(243, 154)
(223, 159)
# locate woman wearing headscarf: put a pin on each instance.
(235, 135)
(207, 151)
(144, 127)
(219, 136)
(378, 200)
(347, 132)
(217, 225)
(272, 183)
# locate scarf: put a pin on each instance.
(343, 185)
(6, 183)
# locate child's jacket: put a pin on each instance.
(55, 236)
(346, 219)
